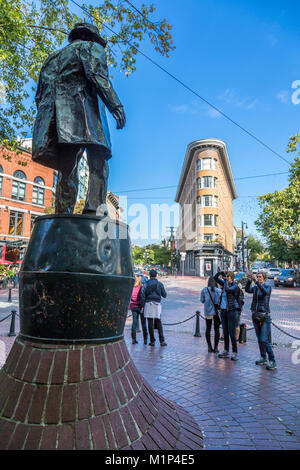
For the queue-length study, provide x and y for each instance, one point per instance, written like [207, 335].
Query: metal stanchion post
[12, 331]
[9, 295]
[197, 331]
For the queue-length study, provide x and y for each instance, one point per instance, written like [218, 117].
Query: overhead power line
[190, 89]
[175, 186]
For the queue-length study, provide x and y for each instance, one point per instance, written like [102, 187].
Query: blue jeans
[263, 331]
[135, 314]
[229, 320]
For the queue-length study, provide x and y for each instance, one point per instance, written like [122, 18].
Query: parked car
[272, 272]
[287, 277]
[241, 278]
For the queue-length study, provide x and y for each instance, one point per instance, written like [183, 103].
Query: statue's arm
[94, 63]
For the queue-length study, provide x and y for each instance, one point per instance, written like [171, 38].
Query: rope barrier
[179, 323]
[288, 334]
[5, 318]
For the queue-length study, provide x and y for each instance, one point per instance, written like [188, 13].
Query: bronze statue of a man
[72, 93]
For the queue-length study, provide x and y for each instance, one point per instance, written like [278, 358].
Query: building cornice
[224, 158]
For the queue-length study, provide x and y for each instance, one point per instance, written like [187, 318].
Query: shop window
[16, 220]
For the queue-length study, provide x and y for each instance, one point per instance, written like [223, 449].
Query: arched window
[38, 193]
[1, 180]
[18, 187]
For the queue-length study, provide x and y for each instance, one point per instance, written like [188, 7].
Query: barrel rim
[81, 216]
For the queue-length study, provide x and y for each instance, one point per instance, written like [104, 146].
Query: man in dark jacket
[72, 93]
[151, 295]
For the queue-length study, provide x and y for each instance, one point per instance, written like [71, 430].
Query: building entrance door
[208, 267]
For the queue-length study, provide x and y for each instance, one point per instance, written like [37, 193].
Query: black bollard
[9, 295]
[13, 323]
[197, 331]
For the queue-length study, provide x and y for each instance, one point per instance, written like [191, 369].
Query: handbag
[258, 316]
[216, 307]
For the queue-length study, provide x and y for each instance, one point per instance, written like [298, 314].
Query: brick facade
[11, 186]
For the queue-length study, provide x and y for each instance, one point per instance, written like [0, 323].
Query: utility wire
[175, 186]
[191, 90]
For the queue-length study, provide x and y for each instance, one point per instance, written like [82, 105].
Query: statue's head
[86, 32]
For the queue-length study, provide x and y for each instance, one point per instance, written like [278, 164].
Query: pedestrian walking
[229, 307]
[260, 308]
[210, 297]
[136, 310]
[151, 295]
[240, 309]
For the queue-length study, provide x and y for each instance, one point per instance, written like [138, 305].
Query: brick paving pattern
[50, 400]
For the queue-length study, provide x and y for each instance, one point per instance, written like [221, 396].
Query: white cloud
[283, 96]
[213, 113]
[230, 96]
[184, 109]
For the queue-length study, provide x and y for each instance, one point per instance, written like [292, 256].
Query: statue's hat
[86, 28]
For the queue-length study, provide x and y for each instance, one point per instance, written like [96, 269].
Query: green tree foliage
[256, 247]
[156, 255]
[279, 220]
[29, 32]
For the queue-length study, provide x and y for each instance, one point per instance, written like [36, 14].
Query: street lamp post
[243, 244]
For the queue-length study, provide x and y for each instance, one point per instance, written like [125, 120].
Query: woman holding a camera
[229, 311]
[260, 309]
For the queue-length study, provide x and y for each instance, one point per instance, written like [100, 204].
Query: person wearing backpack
[229, 307]
[260, 308]
[136, 310]
[210, 297]
[151, 295]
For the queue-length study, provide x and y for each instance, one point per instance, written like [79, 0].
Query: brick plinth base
[86, 397]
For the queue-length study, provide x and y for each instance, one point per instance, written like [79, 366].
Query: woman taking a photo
[260, 309]
[229, 312]
[210, 297]
[136, 310]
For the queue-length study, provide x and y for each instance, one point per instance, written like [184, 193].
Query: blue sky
[241, 56]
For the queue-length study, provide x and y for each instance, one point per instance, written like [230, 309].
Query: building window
[19, 188]
[208, 219]
[16, 223]
[216, 221]
[215, 201]
[199, 183]
[207, 182]
[38, 193]
[215, 183]
[1, 180]
[207, 163]
[207, 201]
[208, 237]
[199, 200]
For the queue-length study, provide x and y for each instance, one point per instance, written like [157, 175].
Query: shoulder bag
[258, 316]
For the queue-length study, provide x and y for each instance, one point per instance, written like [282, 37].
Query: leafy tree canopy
[30, 31]
[156, 254]
[279, 220]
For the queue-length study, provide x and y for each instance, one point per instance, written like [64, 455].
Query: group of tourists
[146, 304]
[224, 305]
